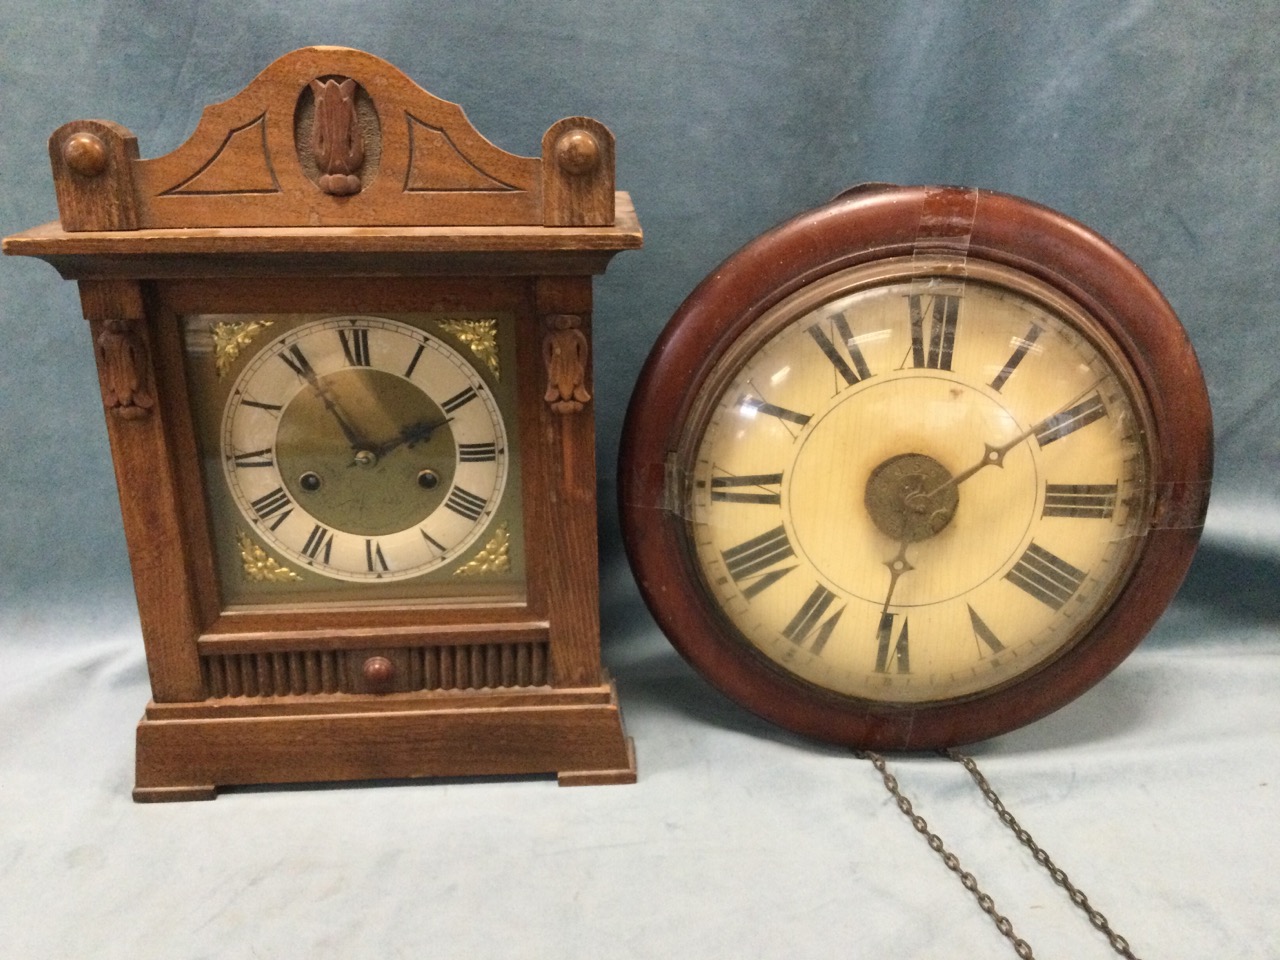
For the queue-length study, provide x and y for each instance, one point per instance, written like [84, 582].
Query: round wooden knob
[577, 152]
[85, 154]
[378, 671]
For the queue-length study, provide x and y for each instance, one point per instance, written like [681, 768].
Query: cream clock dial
[363, 449]
[921, 487]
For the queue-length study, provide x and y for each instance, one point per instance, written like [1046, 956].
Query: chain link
[967, 879]
[1118, 943]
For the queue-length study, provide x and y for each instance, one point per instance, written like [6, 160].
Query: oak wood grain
[155, 532]
[333, 183]
[183, 759]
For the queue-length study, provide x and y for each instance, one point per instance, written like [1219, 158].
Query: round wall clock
[916, 467]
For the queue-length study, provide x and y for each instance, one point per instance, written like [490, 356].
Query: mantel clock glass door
[915, 468]
[363, 457]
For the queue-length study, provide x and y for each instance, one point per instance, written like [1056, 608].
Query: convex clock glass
[920, 461]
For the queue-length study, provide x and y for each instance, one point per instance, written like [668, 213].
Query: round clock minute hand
[1075, 413]
[357, 442]
[303, 369]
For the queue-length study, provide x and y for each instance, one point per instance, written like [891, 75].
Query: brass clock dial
[364, 449]
[354, 457]
[902, 472]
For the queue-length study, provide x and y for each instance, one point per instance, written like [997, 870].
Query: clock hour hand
[898, 565]
[411, 435]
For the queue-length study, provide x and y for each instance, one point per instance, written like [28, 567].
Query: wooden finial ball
[85, 154]
[378, 671]
[578, 152]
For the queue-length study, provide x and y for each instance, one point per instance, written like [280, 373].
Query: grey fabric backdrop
[1154, 122]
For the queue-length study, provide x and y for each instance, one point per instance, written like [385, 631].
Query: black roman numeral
[269, 407]
[1022, 345]
[274, 504]
[254, 458]
[944, 311]
[433, 541]
[808, 620]
[1069, 421]
[477, 452]
[373, 556]
[851, 374]
[889, 653]
[1094, 501]
[722, 489]
[755, 556]
[413, 364]
[355, 346]
[319, 544]
[297, 361]
[459, 400]
[465, 503]
[782, 413]
[984, 633]
[1047, 577]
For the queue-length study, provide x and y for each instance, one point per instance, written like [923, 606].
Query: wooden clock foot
[173, 794]
[593, 778]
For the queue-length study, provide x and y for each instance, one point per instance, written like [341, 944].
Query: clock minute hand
[304, 370]
[993, 456]
[357, 442]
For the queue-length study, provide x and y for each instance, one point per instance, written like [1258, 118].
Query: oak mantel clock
[916, 467]
[344, 349]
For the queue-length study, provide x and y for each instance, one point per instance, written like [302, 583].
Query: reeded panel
[476, 666]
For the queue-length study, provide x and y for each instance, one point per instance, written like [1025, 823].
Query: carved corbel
[565, 351]
[123, 367]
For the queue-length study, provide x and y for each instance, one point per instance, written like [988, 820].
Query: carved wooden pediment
[328, 136]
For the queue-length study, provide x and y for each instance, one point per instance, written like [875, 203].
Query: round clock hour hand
[411, 435]
[898, 565]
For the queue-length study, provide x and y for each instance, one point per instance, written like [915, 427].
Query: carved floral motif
[494, 558]
[230, 338]
[261, 566]
[480, 336]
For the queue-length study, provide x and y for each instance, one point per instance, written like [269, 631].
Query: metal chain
[1118, 943]
[967, 879]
